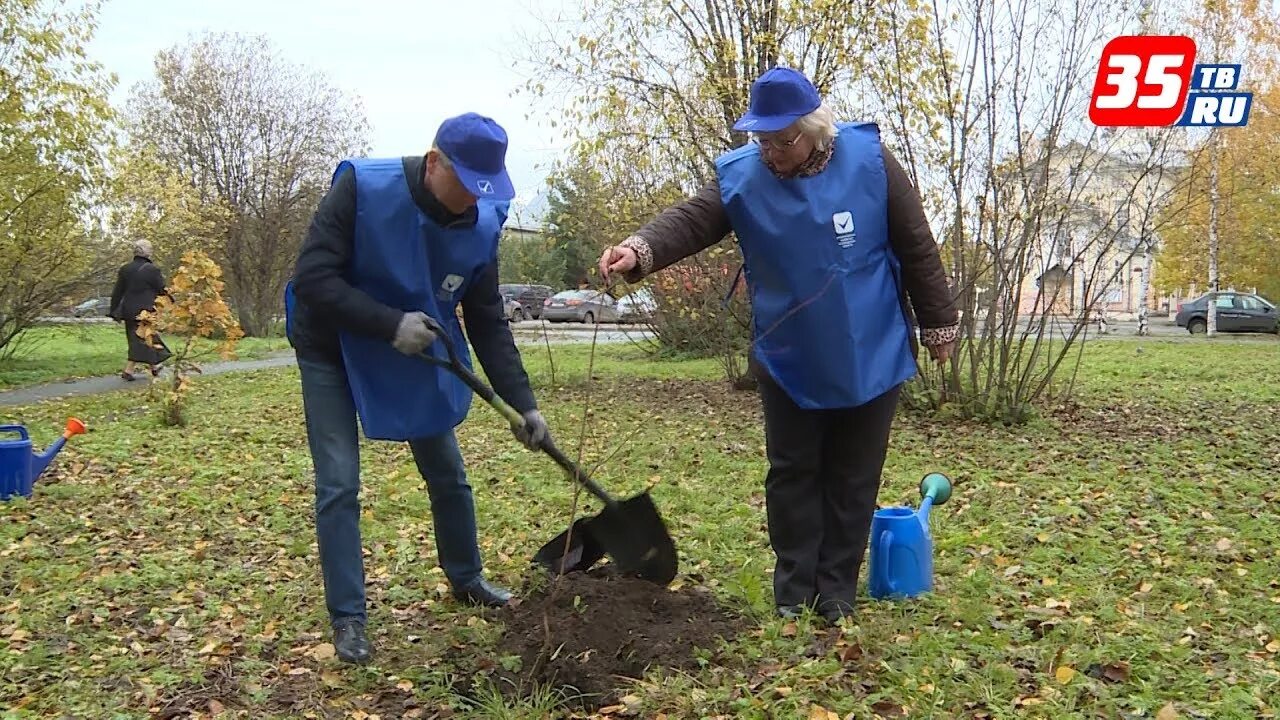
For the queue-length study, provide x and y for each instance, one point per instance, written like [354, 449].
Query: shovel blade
[636, 538]
[582, 551]
[632, 534]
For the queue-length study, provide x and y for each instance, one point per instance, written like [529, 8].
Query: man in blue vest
[395, 246]
[837, 251]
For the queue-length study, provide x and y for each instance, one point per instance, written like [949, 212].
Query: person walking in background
[138, 283]
[837, 253]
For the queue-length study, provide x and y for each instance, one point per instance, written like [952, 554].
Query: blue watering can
[20, 464]
[901, 549]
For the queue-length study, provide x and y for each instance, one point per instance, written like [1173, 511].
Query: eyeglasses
[772, 144]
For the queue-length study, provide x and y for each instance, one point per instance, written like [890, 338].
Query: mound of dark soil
[587, 632]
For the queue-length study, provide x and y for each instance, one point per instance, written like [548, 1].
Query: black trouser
[820, 492]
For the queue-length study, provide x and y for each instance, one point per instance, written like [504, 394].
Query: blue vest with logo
[405, 260]
[825, 290]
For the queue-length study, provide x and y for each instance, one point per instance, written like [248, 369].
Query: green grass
[61, 352]
[1109, 562]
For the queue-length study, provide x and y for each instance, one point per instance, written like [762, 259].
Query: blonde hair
[819, 126]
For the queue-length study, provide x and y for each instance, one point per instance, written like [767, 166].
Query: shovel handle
[473, 381]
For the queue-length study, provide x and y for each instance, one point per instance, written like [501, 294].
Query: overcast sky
[392, 53]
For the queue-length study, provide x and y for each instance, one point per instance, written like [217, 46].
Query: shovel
[631, 532]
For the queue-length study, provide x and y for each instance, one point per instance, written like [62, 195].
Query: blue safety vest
[405, 260]
[829, 324]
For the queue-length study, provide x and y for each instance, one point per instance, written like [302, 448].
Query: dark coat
[138, 283]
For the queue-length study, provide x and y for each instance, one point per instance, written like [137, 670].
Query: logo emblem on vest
[449, 287]
[485, 186]
[843, 223]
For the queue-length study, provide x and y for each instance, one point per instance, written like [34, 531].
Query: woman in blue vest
[394, 242]
[837, 252]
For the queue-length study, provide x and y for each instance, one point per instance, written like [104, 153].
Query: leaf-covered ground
[1119, 559]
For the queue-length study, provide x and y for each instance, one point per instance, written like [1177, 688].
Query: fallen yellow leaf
[1273, 646]
[817, 712]
[1167, 713]
[322, 652]
[789, 630]
[1064, 674]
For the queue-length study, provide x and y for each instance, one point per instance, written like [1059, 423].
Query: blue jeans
[334, 439]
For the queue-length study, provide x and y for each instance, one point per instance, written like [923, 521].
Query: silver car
[584, 306]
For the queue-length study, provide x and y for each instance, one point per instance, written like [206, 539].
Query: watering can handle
[22, 431]
[886, 539]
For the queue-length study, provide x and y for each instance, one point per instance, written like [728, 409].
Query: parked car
[1237, 312]
[639, 306]
[584, 306]
[530, 297]
[514, 312]
[93, 307]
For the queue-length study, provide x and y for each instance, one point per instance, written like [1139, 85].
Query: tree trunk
[1213, 234]
[1144, 288]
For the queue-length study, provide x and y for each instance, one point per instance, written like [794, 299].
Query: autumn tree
[256, 135]
[1228, 234]
[156, 201]
[54, 120]
[1042, 215]
[193, 309]
[653, 88]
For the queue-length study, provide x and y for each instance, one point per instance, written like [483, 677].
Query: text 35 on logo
[1153, 81]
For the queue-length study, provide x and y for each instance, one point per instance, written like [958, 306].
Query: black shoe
[350, 642]
[791, 612]
[833, 611]
[481, 592]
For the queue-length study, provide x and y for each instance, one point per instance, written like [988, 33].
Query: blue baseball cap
[779, 97]
[477, 148]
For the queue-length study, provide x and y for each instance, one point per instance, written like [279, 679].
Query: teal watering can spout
[934, 488]
[901, 549]
[20, 465]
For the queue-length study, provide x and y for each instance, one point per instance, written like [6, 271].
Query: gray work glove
[414, 333]
[534, 430]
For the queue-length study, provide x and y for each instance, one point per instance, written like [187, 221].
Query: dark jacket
[326, 302]
[138, 283]
[701, 221]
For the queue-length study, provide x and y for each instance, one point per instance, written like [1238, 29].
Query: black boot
[350, 642]
[833, 611]
[481, 592]
[791, 612]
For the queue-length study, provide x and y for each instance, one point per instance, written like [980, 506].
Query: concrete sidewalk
[524, 335]
[110, 383]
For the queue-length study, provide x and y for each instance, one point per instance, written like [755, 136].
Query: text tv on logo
[1154, 81]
